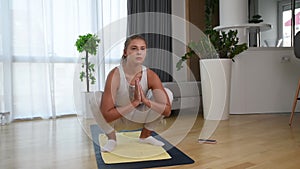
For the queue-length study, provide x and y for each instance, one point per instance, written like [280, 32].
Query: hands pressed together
[139, 96]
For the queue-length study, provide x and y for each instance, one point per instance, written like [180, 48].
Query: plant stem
[87, 71]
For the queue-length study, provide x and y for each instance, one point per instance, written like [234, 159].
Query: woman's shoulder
[115, 71]
[150, 72]
[152, 75]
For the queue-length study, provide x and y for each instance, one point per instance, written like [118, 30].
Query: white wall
[179, 32]
[262, 82]
[268, 10]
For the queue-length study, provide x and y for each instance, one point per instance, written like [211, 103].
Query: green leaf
[179, 64]
[218, 43]
[82, 75]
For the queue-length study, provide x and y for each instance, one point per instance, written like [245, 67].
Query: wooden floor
[244, 141]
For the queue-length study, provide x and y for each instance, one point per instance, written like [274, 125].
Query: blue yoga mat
[178, 157]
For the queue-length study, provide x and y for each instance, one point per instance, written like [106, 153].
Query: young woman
[126, 101]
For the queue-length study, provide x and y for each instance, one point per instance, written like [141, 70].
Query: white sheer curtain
[114, 32]
[38, 56]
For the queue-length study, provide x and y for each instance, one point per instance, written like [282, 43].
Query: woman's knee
[170, 94]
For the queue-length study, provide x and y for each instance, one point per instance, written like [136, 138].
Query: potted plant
[87, 44]
[216, 50]
[256, 19]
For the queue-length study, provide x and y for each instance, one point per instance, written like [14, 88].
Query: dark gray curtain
[152, 20]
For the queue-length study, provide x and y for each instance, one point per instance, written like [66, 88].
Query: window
[278, 13]
[37, 53]
[285, 21]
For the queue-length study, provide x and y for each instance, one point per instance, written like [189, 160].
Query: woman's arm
[107, 106]
[161, 102]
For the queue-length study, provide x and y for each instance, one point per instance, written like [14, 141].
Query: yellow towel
[130, 150]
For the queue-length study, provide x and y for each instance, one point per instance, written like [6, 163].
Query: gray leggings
[137, 119]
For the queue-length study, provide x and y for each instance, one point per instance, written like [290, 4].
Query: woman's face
[136, 51]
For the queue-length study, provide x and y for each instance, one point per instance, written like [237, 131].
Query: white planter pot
[215, 84]
[86, 107]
